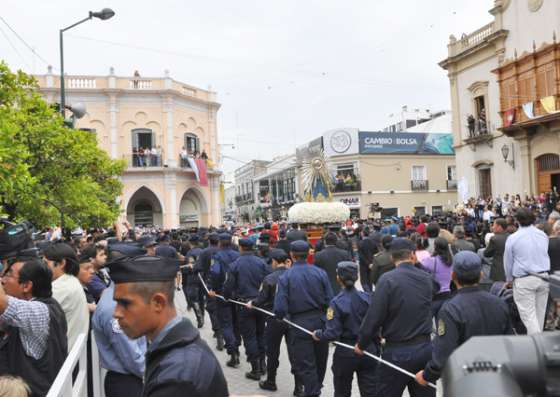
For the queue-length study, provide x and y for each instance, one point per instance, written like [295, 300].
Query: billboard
[405, 143]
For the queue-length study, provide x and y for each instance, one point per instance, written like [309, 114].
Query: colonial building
[505, 86]
[162, 128]
[278, 188]
[246, 193]
[406, 173]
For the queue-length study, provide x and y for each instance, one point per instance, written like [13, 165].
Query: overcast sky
[285, 70]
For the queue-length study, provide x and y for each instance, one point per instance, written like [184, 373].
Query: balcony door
[485, 182]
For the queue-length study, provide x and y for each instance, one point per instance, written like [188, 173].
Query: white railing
[138, 84]
[470, 40]
[63, 385]
[82, 82]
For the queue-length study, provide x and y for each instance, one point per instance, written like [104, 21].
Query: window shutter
[134, 139]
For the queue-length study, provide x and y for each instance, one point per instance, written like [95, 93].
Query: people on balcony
[346, 182]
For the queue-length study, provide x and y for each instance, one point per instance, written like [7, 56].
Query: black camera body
[506, 366]
[15, 238]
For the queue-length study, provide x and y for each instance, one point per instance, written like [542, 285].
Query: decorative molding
[478, 86]
[535, 5]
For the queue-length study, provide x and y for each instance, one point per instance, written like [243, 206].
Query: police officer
[401, 311]
[202, 267]
[227, 312]
[275, 330]
[471, 312]
[304, 293]
[344, 317]
[245, 277]
[191, 283]
[178, 361]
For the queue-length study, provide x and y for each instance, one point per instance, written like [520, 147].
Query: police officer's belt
[414, 341]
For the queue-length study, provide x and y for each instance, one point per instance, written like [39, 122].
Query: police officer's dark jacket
[204, 260]
[38, 374]
[401, 307]
[182, 364]
[471, 312]
[265, 299]
[245, 276]
[220, 267]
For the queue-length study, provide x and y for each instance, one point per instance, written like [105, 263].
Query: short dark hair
[465, 279]
[331, 239]
[524, 216]
[59, 251]
[501, 222]
[37, 271]
[400, 255]
[386, 241]
[147, 289]
[300, 256]
[432, 230]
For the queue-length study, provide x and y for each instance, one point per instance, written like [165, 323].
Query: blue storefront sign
[405, 143]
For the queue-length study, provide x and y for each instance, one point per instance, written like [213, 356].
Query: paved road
[237, 382]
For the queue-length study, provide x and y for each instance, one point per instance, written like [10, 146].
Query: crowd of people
[408, 289]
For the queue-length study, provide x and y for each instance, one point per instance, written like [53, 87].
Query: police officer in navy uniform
[202, 267]
[178, 361]
[245, 276]
[304, 293]
[401, 311]
[191, 283]
[275, 330]
[344, 318]
[471, 312]
[227, 312]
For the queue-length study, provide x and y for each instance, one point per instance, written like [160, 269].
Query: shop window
[437, 210]
[419, 211]
[347, 178]
[389, 212]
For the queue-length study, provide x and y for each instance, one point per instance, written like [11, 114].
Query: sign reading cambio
[352, 202]
[405, 142]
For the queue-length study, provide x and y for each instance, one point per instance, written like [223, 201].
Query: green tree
[47, 170]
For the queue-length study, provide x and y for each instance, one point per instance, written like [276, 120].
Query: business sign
[352, 202]
[309, 150]
[405, 143]
[341, 142]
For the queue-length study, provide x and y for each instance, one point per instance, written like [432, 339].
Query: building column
[215, 209]
[172, 154]
[171, 218]
[525, 163]
[113, 125]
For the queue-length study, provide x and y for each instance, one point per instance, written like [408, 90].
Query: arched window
[192, 143]
[548, 162]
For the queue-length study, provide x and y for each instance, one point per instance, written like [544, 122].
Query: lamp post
[505, 154]
[104, 14]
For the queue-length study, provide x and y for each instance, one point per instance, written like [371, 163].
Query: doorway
[555, 182]
[485, 182]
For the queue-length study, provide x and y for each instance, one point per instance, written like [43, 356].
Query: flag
[549, 104]
[509, 117]
[194, 167]
[528, 108]
[202, 176]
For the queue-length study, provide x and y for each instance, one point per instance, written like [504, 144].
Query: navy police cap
[143, 268]
[347, 270]
[299, 246]
[467, 262]
[246, 243]
[401, 243]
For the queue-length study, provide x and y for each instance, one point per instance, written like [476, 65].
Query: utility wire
[13, 47]
[24, 42]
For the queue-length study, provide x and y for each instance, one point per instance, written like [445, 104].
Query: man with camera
[33, 342]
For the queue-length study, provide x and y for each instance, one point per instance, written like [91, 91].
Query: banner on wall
[405, 143]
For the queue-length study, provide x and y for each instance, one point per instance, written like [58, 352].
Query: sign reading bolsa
[405, 142]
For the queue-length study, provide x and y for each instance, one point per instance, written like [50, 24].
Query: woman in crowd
[439, 265]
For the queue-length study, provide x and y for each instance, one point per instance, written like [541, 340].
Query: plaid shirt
[32, 319]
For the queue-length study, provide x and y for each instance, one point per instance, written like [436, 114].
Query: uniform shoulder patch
[330, 313]
[441, 327]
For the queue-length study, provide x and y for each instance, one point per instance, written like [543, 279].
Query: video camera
[16, 239]
[512, 366]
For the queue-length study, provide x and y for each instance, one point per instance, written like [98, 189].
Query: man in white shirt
[67, 290]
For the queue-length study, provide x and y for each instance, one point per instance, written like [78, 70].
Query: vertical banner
[194, 167]
[202, 176]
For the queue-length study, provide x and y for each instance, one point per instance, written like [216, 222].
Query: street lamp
[104, 14]
[505, 155]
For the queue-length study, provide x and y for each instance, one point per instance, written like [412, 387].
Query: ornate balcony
[419, 185]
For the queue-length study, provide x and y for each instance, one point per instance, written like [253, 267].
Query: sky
[285, 71]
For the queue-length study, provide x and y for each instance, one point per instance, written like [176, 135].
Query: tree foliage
[47, 169]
